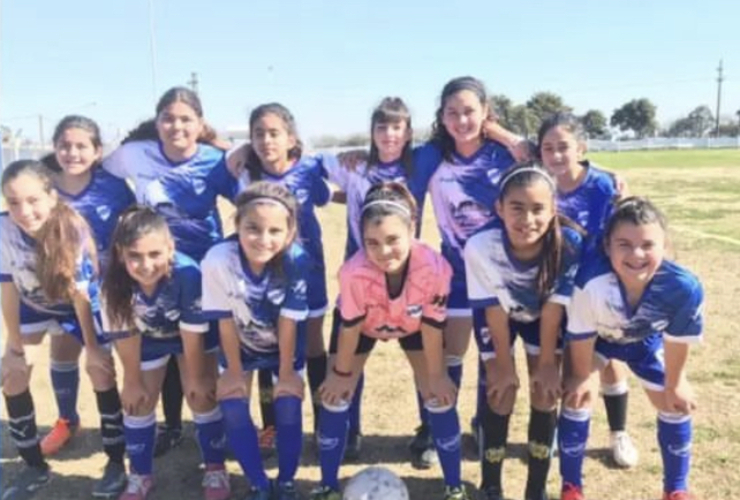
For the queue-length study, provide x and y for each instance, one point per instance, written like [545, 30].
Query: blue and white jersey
[670, 306]
[306, 180]
[100, 203]
[184, 192]
[496, 277]
[18, 265]
[174, 306]
[590, 204]
[232, 290]
[463, 193]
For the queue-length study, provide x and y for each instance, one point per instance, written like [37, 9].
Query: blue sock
[289, 436]
[139, 433]
[242, 438]
[355, 408]
[674, 437]
[423, 413]
[333, 426]
[209, 428]
[446, 434]
[573, 429]
[455, 369]
[65, 379]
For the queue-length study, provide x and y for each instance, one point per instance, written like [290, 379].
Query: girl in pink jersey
[395, 288]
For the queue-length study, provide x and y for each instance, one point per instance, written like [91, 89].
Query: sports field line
[702, 234]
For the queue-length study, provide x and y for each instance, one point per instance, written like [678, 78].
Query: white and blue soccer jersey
[184, 192]
[464, 191]
[232, 290]
[590, 204]
[100, 203]
[670, 306]
[159, 318]
[19, 267]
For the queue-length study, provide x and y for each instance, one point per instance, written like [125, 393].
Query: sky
[331, 61]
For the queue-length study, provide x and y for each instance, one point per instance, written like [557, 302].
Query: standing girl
[396, 288]
[99, 198]
[520, 275]
[49, 284]
[586, 195]
[255, 284]
[152, 308]
[176, 170]
[637, 307]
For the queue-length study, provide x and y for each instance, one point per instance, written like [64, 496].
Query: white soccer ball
[375, 483]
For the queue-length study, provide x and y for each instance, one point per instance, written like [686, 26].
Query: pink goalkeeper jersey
[364, 294]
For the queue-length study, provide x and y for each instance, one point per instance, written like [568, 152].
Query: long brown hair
[118, 286]
[392, 110]
[254, 164]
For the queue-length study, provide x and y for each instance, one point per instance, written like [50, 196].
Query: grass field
[699, 190]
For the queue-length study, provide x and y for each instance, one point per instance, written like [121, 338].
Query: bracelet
[14, 352]
[340, 373]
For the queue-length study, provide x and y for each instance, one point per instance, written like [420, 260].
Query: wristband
[19, 353]
[340, 373]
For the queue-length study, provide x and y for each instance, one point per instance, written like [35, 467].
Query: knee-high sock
[616, 397]
[573, 427]
[209, 429]
[540, 434]
[446, 433]
[355, 408]
[289, 436]
[242, 438]
[267, 407]
[140, 433]
[316, 368]
[172, 395]
[65, 379]
[481, 398]
[111, 424]
[333, 426]
[22, 426]
[495, 436]
[674, 437]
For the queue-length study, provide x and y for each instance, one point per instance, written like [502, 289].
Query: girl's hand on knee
[336, 390]
[502, 383]
[577, 392]
[200, 391]
[15, 370]
[442, 390]
[134, 397]
[680, 399]
[546, 382]
[289, 385]
[230, 385]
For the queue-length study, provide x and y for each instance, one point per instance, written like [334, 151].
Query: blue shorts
[458, 305]
[529, 333]
[318, 297]
[252, 361]
[644, 357]
[155, 353]
[34, 321]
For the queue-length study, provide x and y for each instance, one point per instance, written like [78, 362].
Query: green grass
[692, 158]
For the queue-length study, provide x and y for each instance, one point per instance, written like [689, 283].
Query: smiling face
[30, 202]
[636, 252]
[271, 140]
[527, 212]
[264, 231]
[387, 242]
[178, 127]
[76, 152]
[561, 151]
[390, 138]
[463, 115]
[148, 259]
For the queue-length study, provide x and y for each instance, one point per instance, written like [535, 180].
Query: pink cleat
[216, 483]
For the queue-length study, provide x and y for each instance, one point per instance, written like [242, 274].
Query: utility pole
[193, 82]
[42, 139]
[720, 77]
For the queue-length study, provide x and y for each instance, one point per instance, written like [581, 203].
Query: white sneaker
[623, 449]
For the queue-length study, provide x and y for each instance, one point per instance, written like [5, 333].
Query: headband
[269, 200]
[522, 170]
[388, 203]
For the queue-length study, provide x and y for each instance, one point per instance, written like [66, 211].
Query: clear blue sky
[331, 61]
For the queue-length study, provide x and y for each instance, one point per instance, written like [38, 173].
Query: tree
[679, 128]
[595, 124]
[523, 121]
[544, 104]
[638, 115]
[701, 121]
[502, 107]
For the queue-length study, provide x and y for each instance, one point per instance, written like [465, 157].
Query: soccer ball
[375, 483]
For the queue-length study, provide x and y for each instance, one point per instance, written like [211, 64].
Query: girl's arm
[517, 145]
[578, 372]
[193, 352]
[337, 388]
[442, 389]
[501, 378]
[289, 381]
[349, 338]
[95, 356]
[678, 395]
[230, 345]
[547, 375]
[11, 304]
[133, 393]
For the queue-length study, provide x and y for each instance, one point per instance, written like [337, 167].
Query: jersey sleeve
[351, 305]
[480, 274]
[320, 191]
[215, 299]
[222, 181]
[434, 311]
[295, 306]
[581, 317]
[566, 279]
[688, 322]
[117, 162]
[192, 318]
[335, 171]
[6, 271]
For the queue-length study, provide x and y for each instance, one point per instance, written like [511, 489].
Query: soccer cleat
[258, 494]
[623, 449]
[325, 493]
[354, 447]
[678, 495]
[491, 493]
[166, 439]
[571, 492]
[423, 454]
[58, 437]
[138, 487]
[112, 483]
[455, 493]
[285, 491]
[216, 484]
[267, 439]
[27, 483]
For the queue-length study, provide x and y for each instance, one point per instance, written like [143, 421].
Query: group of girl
[541, 250]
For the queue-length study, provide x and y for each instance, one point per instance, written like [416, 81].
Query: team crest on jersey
[199, 186]
[104, 212]
[494, 176]
[300, 287]
[414, 310]
[485, 335]
[302, 195]
[172, 314]
[439, 300]
[659, 325]
[276, 295]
